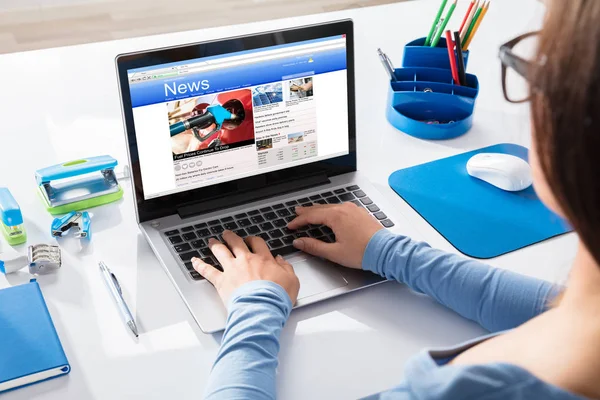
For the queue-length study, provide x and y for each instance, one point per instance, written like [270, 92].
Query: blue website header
[232, 53]
[236, 77]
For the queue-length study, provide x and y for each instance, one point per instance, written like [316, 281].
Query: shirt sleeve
[496, 299]
[247, 360]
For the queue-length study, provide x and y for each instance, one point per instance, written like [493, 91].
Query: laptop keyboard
[269, 223]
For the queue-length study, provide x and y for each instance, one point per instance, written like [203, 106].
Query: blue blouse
[497, 299]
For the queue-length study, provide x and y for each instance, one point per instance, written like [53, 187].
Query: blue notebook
[30, 350]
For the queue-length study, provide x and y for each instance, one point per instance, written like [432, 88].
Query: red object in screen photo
[230, 134]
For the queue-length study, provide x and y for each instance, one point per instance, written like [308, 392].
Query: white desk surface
[63, 104]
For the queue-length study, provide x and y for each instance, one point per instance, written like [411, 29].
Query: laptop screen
[215, 119]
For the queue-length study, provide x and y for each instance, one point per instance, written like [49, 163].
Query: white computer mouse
[504, 171]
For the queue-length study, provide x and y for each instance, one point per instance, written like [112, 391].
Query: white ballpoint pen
[117, 294]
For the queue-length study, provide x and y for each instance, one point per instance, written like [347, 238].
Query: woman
[545, 342]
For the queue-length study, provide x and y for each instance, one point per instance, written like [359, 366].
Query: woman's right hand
[353, 227]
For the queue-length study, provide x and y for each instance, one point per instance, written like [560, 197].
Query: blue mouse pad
[480, 220]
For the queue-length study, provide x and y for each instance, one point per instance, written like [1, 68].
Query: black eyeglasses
[510, 59]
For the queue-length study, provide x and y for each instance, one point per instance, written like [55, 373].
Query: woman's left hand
[240, 266]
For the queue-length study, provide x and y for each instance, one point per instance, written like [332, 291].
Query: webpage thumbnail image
[211, 123]
[267, 94]
[301, 88]
[295, 137]
[264, 144]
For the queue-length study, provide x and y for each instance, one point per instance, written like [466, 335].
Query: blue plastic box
[424, 101]
[417, 55]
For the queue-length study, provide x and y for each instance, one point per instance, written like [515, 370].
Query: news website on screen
[214, 119]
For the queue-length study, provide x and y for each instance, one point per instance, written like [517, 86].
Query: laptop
[206, 155]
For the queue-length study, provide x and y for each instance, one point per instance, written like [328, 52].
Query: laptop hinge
[247, 196]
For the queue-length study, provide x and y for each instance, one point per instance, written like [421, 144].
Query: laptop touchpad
[317, 276]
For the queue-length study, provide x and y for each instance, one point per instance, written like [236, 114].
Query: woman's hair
[565, 107]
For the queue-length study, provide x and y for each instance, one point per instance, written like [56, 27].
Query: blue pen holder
[424, 101]
[418, 55]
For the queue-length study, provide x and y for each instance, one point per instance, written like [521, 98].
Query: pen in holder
[424, 100]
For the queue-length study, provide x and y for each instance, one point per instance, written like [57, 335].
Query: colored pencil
[440, 22]
[440, 31]
[453, 68]
[467, 15]
[435, 22]
[475, 18]
[463, 31]
[468, 43]
[462, 76]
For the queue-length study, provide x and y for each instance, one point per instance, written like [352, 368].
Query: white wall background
[6, 5]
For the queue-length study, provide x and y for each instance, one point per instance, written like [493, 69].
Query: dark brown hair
[565, 106]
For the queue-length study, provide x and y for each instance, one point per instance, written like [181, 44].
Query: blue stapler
[11, 219]
[79, 184]
[78, 222]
